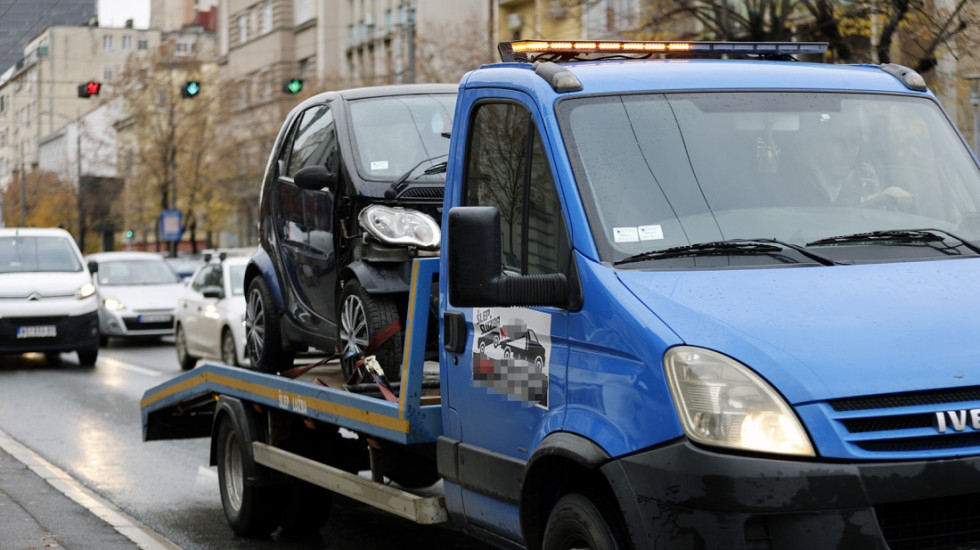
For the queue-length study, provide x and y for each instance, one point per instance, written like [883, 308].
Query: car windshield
[136, 272]
[660, 171]
[392, 135]
[32, 254]
[237, 274]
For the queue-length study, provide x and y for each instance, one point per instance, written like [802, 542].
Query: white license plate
[37, 331]
[159, 318]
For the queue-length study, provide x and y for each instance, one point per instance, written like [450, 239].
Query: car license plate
[37, 331]
[159, 318]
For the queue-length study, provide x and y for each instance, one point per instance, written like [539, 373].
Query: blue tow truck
[752, 285]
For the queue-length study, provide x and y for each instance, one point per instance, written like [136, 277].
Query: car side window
[315, 141]
[205, 278]
[507, 167]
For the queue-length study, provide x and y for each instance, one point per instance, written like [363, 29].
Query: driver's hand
[896, 195]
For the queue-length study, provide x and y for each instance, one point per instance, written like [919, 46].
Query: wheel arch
[564, 462]
[379, 278]
[261, 266]
[239, 414]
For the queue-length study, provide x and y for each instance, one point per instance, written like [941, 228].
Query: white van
[47, 299]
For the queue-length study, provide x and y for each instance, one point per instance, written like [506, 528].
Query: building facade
[20, 21]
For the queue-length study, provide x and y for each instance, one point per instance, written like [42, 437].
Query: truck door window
[315, 142]
[507, 167]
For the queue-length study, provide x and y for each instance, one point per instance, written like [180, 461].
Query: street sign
[170, 225]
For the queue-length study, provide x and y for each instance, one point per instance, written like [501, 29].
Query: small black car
[352, 192]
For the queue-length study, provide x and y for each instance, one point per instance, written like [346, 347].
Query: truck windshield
[394, 134]
[659, 171]
[37, 254]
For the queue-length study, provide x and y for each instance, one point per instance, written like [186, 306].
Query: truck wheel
[363, 315]
[576, 522]
[229, 355]
[251, 510]
[87, 357]
[186, 360]
[262, 330]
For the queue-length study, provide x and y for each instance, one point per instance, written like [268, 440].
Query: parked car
[137, 294]
[185, 266]
[210, 320]
[351, 195]
[47, 299]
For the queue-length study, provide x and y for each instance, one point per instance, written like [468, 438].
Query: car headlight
[113, 304]
[723, 403]
[88, 289]
[400, 226]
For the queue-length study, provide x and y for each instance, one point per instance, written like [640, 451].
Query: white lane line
[110, 362]
[129, 527]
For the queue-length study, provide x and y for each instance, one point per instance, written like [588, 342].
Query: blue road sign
[170, 225]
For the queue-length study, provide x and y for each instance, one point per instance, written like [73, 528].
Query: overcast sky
[114, 13]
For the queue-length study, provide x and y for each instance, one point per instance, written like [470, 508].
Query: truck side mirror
[475, 277]
[315, 178]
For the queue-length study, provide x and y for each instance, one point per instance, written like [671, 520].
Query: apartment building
[20, 21]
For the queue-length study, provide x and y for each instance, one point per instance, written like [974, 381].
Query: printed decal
[511, 353]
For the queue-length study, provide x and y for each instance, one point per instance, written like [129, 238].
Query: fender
[261, 264]
[587, 454]
[380, 278]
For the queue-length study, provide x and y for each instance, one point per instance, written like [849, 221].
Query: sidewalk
[42, 507]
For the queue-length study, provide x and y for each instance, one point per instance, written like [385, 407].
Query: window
[267, 16]
[184, 47]
[315, 143]
[507, 167]
[209, 276]
[107, 42]
[301, 11]
[142, 44]
[106, 74]
[243, 27]
[127, 43]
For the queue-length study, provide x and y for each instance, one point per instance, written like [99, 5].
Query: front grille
[951, 523]
[134, 324]
[908, 425]
[22, 321]
[422, 192]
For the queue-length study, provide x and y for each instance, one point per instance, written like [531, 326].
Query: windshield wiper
[401, 183]
[729, 247]
[901, 236]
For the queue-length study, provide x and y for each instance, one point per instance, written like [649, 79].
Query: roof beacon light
[544, 50]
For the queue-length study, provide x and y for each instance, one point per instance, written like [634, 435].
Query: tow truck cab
[753, 283]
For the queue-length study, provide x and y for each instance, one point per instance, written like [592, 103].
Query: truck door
[506, 388]
[308, 249]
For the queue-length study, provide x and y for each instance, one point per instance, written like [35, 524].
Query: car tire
[87, 357]
[186, 360]
[262, 331]
[362, 315]
[251, 508]
[229, 352]
[577, 522]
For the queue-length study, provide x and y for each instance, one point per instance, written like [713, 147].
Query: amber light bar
[525, 50]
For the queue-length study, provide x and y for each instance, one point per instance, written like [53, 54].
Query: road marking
[110, 362]
[129, 527]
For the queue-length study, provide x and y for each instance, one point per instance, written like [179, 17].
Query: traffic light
[190, 89]
[89, 89]
[292, 86]
[129, 234]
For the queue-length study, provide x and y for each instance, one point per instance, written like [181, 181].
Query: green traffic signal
[129, 234]
[292, 86]
[190, 89]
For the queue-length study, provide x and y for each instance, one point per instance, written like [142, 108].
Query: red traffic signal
[89, 89]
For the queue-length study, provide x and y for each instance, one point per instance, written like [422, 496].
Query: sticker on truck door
[511, 353]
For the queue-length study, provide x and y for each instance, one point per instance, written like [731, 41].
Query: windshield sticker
[626, 234]
[379, 165]
[511, 353]
[651, 232]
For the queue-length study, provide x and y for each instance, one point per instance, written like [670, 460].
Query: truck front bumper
[682, 496]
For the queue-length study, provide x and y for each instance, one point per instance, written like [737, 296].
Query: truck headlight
[723, 403]
[112, 304]
[400, 226]
[85, 291]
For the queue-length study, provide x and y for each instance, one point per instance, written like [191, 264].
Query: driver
[844, 176]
